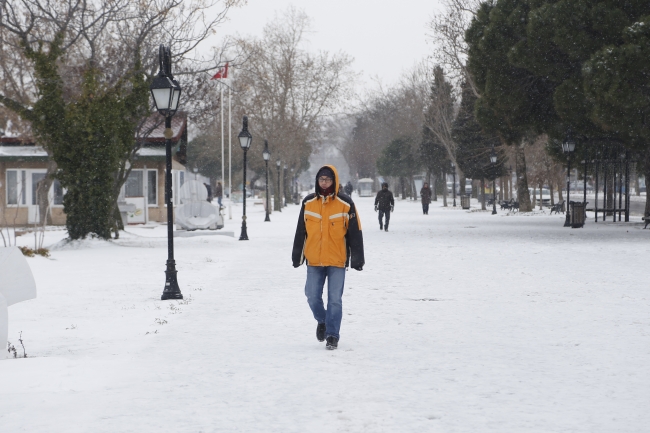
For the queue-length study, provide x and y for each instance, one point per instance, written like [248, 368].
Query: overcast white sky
[384, 38]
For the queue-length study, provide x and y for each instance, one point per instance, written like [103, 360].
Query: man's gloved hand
[358, 268]
[375, 208]
[296, 265]
[392, 208]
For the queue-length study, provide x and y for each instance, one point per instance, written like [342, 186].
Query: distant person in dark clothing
[384, 203]
[425, 195]
[348, 188]
[209, 189]
[219, 193]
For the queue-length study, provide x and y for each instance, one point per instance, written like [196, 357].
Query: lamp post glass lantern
[245, 139]
[568, 146]
[166, 93]
[266, 154]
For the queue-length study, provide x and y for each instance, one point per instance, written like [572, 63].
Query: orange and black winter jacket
[329, 231]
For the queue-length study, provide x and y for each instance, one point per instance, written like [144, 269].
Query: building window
[36, 178]
[12, 187]
[152, 187]
[134, 185]
[57, 193]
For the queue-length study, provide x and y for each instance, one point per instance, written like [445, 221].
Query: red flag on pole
[221, 73]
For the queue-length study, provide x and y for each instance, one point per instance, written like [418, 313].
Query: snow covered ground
[460, 322]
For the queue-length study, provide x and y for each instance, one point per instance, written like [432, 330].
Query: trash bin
[577, 214]
[464, 201]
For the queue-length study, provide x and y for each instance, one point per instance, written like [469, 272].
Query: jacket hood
[336, 179]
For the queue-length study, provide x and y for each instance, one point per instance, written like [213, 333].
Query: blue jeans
[314, 292]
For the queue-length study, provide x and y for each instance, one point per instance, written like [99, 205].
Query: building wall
[18, 215]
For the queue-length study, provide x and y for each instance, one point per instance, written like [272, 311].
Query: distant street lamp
[453, 190]
[568, 146]
[493, 161]
[245, 139]
[196, 172]
[279, 163]
[166, 93]
[267, 155]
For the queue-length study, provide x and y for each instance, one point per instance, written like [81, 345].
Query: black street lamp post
[453, 173]
[568, 146]
[279, 163]
[166, 94]
[245, 139]
[267, 155]
[493, 161]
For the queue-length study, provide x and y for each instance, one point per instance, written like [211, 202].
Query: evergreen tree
[513, 100]
[87, 135]
[398, 160]
[473, 146]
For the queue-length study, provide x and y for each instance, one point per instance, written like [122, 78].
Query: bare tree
[447, 33]
[287, 91]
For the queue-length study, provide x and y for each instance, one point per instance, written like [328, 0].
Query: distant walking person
[218, 193]
[348, 188]
[425, 195]
[209, 189]
[329, 237]
[384, 203]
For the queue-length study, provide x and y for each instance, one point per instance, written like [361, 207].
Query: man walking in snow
[329, 238]
[425, 195]
[385, 203]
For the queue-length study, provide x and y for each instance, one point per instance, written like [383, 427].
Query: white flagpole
[223, 183]
[230, 151]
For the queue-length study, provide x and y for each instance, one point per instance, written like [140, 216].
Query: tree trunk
[434, 187]
[475, 189]
[42, 193]
[444, 189]
[483, 194]
[550, 186]
[636, 185]
[510, 187]
[540, 197]
[277, 198]
[523, 196]
[610, 193]
[647, 181]
[501, 184]
[402, 187]
[461, 181]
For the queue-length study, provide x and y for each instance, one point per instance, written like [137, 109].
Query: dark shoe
[381, 227]
[386, 228]
[320, 332]
[332, 343]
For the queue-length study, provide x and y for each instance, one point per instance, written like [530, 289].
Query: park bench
[558, 207]
[510, 205]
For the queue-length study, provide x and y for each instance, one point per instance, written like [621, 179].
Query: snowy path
[459, 322]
